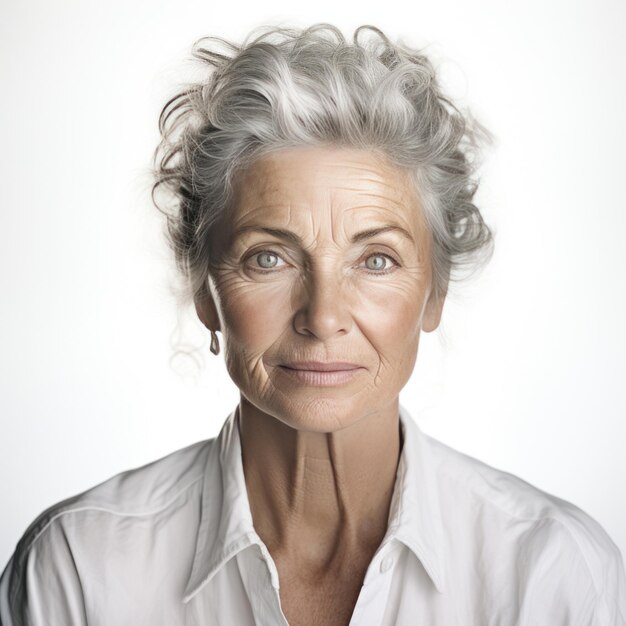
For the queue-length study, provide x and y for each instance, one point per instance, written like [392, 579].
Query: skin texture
[320, 461]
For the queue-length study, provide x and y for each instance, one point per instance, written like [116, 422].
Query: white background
[526, 371]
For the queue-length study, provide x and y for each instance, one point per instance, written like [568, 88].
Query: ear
[433, 311]
[207, 309]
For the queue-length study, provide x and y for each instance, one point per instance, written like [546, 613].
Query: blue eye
[266, 261]
[378, 267]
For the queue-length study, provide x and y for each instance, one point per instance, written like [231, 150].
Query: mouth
[318, 373]
[321, 366]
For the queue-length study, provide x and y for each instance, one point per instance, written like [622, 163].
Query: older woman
[321, 200]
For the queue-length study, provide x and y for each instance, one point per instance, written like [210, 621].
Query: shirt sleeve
[40, 585]
[570, 582]
[610, 607]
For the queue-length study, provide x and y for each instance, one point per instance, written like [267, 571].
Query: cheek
[394, 308]
[254, 315]
[389, 318]
[399, 322]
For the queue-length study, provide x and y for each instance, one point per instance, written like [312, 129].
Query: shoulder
[547, 538]
[143, 490]
[109, 517]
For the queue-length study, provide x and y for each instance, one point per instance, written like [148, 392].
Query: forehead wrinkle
[398, 199]
[257, 175]
[273, 176]
[381, 215]
[393, 206]
[381, 180]
[363, 189]
[375, 164]
[331, 220]
[399, 190]
[245, 216]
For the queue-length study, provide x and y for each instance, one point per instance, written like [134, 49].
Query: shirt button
[386, 563]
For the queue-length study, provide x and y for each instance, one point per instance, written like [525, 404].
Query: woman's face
[328, 260]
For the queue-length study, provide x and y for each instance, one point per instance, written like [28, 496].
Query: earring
[215, 344]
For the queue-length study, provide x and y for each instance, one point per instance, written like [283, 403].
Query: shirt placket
[260, 579]
[372, 601]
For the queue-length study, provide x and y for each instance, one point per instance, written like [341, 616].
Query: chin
[321, 414]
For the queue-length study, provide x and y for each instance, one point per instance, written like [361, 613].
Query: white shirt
[173, 543]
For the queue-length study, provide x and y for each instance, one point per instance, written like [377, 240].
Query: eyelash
[373, 272]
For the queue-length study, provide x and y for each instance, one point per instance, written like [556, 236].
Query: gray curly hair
[285, 87]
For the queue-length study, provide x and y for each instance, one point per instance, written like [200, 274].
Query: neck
[320, 497]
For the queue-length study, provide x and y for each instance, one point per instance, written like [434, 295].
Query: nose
[324, 311]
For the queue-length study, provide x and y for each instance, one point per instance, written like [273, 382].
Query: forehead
[317, 183]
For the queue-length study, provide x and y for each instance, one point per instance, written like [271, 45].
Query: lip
[329, 377]
[321, 366]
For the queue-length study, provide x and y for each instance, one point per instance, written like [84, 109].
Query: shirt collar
[225, 520]
[226, 525]
[415, 516]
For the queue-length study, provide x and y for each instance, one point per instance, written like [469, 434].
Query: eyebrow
[360, 236]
